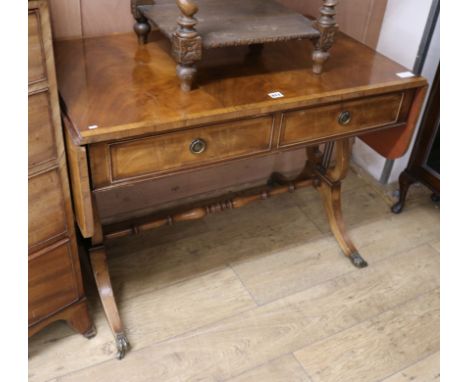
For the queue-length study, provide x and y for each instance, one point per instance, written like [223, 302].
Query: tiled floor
[264, 294]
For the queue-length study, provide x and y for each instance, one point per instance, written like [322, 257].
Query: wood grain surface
[239, 343]
[232, 86]
[36, 54]
[379, 346]
[79, 178]
[285, 368]
[426, 370]
[41, 137]
[315, 123]
[52, 281]
[134, 158]
[219, 322]
[47, 218]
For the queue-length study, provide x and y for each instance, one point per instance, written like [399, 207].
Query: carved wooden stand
[317, 173]
[188, 42]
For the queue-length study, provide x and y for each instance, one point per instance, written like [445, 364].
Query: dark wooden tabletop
[114, 88]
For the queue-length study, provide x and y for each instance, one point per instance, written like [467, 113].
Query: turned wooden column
[186, 44]
[326, 24]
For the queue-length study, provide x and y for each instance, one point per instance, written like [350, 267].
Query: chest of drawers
[55, 284]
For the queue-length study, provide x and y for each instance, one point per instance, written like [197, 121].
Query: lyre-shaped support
[186, 44]
[327, 27]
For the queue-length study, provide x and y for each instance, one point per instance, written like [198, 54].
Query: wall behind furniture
[400, 37]
[429, 71]
[361, 19]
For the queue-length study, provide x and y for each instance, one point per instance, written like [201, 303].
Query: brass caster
[357, 260]
[122, 345]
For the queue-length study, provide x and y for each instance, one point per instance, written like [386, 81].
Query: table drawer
[51, 281]
[46, 220]
[41, 141]
[189, 148]
[313, 124]
[36, 61]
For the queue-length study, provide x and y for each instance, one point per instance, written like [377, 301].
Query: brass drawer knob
[344, 118]
[197, 146]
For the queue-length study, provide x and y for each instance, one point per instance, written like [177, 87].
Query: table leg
[405, 181]
[141, 27]
[186, 44]
[326, 24]
[330, 190]
[98, 258]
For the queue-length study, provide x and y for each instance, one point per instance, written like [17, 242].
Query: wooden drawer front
[41, 141]
[47, 218]
[36, 62]
[51, 281]
[316, 123]
[160, 153]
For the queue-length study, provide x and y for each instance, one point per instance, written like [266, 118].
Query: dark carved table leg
[405, 180]
[330, 190]
[141, 27]
[327, 27]
[98, 258]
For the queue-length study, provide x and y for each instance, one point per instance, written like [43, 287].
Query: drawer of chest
[36, 57]
[41, 138]
[47, 219]
[51, 281]
[154, 155]
[340, 119]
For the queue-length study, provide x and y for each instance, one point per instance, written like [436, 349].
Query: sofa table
[126, 122]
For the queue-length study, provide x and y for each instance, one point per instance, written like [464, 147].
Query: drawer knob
[344, 118]
[197, 146]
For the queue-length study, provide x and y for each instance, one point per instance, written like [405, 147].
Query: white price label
[275, 95]
[405, 75]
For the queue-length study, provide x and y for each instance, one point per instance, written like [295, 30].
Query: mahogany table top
[113, 88]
